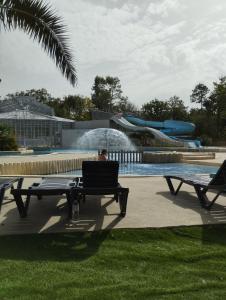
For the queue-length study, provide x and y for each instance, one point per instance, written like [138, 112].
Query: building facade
[33, 122]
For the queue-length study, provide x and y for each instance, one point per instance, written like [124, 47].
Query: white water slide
[154, 132]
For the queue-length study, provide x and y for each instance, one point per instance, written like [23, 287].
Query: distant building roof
[28, 115]
[25, 102]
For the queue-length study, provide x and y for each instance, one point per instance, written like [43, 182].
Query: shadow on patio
[217, 216]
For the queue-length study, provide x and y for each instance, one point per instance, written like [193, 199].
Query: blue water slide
[161, 136]
[169, 127]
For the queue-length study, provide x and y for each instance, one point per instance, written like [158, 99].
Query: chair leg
[75, 204]
[116, 197]
[20, 183]
[214, 200]
[75, 209]
[204, 200]
[2, 193]
[27, 202]
[123, 196]
[207, 202]
[69, 203]
[171, 187]
[200, 195]
[20, 205]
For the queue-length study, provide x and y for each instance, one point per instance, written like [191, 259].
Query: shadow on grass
[52, 247]
[79, 239]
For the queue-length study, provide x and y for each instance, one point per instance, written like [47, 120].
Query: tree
[77, 107]
[40, 22]
[177, 109]
[217, 100]
[125, 106]
[199, 94]
[211, 119]
[40, 95]
[7, 138]
[205, 126]
[106, 92]
[73, 107]
[155, 110]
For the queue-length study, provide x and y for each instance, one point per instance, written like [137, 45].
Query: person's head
[104, 152]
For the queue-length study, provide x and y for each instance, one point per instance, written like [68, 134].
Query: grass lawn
[175, 263]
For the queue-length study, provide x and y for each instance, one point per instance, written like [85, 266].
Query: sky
[157, 48]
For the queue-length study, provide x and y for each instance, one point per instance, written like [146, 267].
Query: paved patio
[149, 205]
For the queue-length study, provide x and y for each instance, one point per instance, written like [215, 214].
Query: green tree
[73, 107]
[177, 109]
[199, 94]
[7, 139]
[217, 100]
[40, 95]
[125, 106]
[39, 21]
[77, 107]
[156, 110]
[106, 93]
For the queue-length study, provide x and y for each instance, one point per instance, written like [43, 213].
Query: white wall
[70, 137]
[92, 124]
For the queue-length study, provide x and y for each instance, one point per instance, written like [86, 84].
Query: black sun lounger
[46, 187]
[202, 184]
[100, 178]
[6, 183]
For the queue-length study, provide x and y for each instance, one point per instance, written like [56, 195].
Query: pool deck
[219, 158]
[217, 161]
[44, 157]
[149, 205]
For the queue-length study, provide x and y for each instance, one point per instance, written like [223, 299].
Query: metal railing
[123, 156]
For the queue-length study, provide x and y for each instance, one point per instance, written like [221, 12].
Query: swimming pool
[160, 169]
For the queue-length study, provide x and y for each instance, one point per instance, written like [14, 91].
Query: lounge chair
[6, 183]
[202, 184]
[100, 178]
[46, 187]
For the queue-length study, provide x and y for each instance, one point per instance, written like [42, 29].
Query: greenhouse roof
[27, 115]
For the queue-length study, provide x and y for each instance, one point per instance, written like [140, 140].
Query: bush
[7, 139]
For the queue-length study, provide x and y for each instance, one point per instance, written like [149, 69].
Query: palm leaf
[41, 23]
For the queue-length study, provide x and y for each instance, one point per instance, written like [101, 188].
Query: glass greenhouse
[33, 122]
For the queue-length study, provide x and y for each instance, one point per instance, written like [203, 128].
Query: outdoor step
[198, 156]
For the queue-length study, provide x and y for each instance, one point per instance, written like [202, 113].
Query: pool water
[160, 169]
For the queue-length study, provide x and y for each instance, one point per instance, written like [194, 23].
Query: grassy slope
[176, 263]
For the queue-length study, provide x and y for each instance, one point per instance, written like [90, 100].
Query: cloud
[157, 48]
[163, 8]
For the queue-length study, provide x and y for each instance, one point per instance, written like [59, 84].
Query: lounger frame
[41, 189]
[200, 189]
[7, 183]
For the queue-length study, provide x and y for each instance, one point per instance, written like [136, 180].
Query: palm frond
[41, 23]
